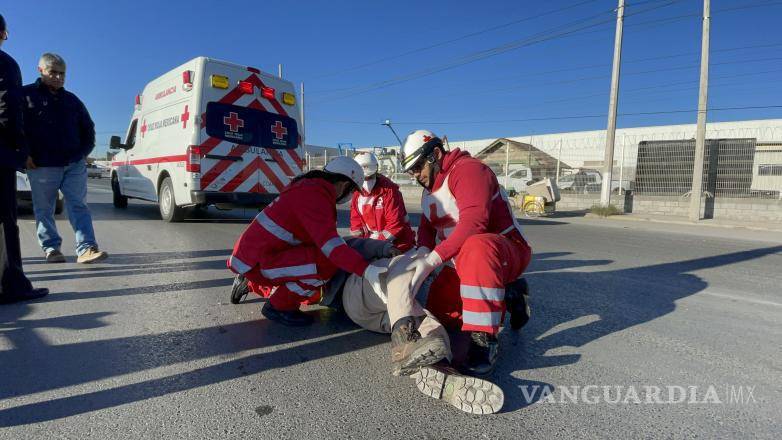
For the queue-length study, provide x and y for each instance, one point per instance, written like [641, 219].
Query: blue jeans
[72, 181]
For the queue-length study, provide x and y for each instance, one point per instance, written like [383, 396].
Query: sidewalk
[732, 224]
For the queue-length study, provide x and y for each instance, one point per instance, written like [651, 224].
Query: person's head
[422, 157]
[3, 30]
[348, 174]
[52, 69]
[368, 163]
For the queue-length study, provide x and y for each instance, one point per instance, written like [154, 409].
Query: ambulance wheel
[119, 200]
[169, 211]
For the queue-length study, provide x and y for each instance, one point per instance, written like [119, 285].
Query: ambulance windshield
[249, 126]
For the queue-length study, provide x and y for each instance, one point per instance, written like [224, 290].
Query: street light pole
[700, 136]
[387, 123]
[608, 168]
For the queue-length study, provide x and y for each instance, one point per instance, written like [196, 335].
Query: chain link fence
[652, 171]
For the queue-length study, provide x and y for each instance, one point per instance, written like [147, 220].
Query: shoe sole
[101, 257]
[428, 354]
[60, 259]
[469, 394]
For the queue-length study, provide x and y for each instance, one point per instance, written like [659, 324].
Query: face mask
[369, 184]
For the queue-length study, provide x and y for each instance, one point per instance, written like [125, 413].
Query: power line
[589, 78]
[443, 43]
[554, 118]
[518, 44]
[486, 53]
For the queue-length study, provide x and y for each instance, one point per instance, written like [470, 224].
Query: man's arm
[472, 184]
[11, 114]
[319, 220]
[356, 222]
[86, 129]
[394, 214]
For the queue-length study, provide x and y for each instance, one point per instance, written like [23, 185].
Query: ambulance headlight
[288, 98]
[219, 81]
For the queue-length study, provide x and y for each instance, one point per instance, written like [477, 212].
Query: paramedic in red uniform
[467, 227]
[293, 243]
[378, 211]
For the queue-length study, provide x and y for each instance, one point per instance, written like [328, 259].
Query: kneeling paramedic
[293, 243]
[378, 211]
[469, 231]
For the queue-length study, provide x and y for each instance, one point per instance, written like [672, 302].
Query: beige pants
[367, 309]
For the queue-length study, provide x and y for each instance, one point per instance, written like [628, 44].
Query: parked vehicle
[209, 132]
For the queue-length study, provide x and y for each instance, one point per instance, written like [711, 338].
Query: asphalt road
[147, 345]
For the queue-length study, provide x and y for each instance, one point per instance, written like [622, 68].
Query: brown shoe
[55, 256]
[92, 255]
[409, 351]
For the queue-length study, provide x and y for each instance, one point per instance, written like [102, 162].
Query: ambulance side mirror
[115, 144]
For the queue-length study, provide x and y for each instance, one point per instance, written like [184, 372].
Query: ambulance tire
[169, 211]
[119, 200]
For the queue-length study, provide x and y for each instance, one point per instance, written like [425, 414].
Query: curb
[626, 217]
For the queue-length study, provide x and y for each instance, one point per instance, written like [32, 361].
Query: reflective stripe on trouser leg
[482, 308]
[485, 264]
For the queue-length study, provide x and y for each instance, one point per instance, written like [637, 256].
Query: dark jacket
[58, 127]
[13, 147]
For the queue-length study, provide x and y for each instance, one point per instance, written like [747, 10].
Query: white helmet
[418, 144]
[368, 162]
[347, 167]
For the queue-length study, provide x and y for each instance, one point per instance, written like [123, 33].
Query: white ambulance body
[209, 132]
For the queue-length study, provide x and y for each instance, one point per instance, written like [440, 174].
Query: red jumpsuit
[467, 220]
[293, 244]
[381, 215]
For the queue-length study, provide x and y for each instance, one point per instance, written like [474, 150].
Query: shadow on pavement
[85, 362]
[570, 309]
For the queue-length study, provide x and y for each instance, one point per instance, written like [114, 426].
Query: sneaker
[469, 394]
[24, 296]
[517, 303]
[293, 318]
[55, 256]
[409, 351]
[91, 255]
[240, 289]
[482, 354]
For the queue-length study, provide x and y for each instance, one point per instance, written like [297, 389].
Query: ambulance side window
[131, 140]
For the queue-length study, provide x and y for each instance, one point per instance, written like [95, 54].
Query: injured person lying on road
[420, 344]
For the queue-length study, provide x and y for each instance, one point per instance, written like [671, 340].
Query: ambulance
[209, 132]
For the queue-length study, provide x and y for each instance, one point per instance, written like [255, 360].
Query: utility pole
[700, 136]
[608, 168]
[279, 70]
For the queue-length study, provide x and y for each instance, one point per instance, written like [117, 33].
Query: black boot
[293, 318]
[409, 351]
[240, 289]
[482, 354]
[517, 303]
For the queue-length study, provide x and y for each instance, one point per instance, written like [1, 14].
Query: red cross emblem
[427, 138]
[233, 122]
[143, 127]
[440, 223]
[278, 130]
[185, 117]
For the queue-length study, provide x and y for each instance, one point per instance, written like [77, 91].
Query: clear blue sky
[114, 47]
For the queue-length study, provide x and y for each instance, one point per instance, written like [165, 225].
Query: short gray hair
[50, 59]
